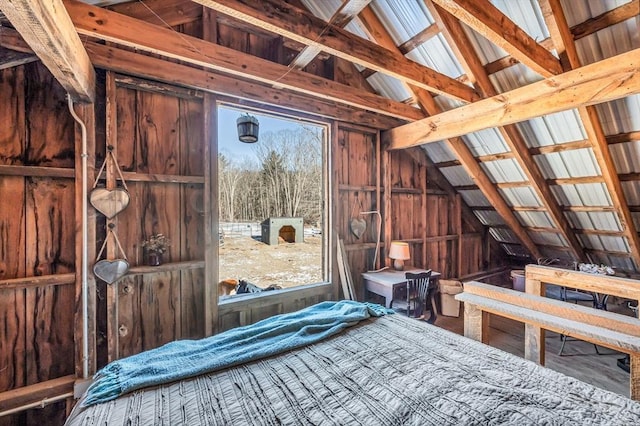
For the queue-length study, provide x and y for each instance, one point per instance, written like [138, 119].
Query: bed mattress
[384, 371]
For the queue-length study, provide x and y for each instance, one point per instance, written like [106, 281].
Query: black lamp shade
[248, 127]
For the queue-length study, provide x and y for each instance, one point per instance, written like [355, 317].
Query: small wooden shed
[290, 229]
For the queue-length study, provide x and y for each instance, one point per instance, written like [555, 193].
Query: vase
[154, 258]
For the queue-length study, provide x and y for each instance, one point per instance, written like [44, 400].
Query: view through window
[271, 204]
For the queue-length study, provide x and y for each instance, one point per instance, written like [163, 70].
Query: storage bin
[449, 306]
[517, 276]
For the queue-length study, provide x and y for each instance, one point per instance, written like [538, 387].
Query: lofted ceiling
[529, 108]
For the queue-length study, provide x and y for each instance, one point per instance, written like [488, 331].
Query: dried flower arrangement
[157, 243]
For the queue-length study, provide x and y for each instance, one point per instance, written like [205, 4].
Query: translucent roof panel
[436, 54]
[553, 129]
[604, 242]
[485, 142]
[323, 9]
[620, 116]
[584, 194]
[446, 103]
[489, 217]
[513, 77]
[626, 156]
[457, 175]
[548, 239]
[631, 190]
[610, 41]
[605, 221]
[526, 14]
[439, 152]
[474, 198]
[583, 10]
[514, 250]
[568, 164]
[521, 197]
[403, 19]
[501, 171]
[636, 219]
[503, 235]
[389, 87]
[487, 51]
[535, 219]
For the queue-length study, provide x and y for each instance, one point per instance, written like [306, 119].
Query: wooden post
[634, 377]
[386, 184]
[534, 347]
[476, 323]
[211, 269]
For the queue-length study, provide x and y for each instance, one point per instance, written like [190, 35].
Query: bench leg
[476, 323]
[634, 377]
[534, 344]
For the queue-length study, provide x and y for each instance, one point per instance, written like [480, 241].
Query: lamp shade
[399, 250]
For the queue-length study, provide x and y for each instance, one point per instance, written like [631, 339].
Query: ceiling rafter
[11, 58]
[299, 25]
[565, 45]
[488, 21]
[345, 13]
[46, 27]
[456, 144]
[161, 12]
[603, 81]
[454, 34]
[419, 39]
[114, 27]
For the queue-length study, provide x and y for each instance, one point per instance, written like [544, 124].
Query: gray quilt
[385, 371]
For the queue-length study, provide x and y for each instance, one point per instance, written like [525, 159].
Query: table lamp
[399, 252]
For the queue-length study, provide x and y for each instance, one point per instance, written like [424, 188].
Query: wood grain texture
[12, 113]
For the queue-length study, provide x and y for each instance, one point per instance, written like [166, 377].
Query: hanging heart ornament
[109, 202]
[110, 271]
[357, 226]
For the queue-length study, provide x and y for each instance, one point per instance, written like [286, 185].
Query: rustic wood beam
[419, 39]
[10, 58]
[25, 397]
[287, 21]
[569, 146]
[111, 26]
[603, 81]
[46, 27]
[161, 12]
[488, 21]
[457, 145]
[565, 45]
[345, 13]
[623, 137]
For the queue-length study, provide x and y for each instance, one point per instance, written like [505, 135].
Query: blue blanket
[187, 358]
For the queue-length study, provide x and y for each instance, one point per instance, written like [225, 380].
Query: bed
[389, 370]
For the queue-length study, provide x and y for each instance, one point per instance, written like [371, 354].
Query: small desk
[384, 282]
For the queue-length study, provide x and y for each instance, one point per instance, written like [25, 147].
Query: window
[272, 203]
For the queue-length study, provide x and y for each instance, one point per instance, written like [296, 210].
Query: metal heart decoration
[109, 202]
[110, 271]
[358, 227]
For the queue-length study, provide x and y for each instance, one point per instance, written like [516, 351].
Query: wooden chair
[419, 295]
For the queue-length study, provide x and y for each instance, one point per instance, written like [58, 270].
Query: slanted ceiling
[547, 156]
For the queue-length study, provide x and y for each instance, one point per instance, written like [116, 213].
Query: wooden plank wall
[37, 236]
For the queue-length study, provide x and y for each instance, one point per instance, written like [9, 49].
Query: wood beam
[161, 12]
[296, 24]
[611, 17]
[114, 27]
[488, 21]
[566, 47]
[46, 27]
[345, 13]
[124, 61]
[603, 81]
[419, 39]
[457, 145]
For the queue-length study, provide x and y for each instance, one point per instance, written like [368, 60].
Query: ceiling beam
[488, 21]
[127, 62]
[299, 25]
[466, 55]
[345, 13]
[110, 26]
[603, 81]
[565, 45]
[419, 39]
[456, 145]
[46, 27]
[161, 12]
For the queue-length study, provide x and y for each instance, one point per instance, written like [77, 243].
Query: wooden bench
[539, 313]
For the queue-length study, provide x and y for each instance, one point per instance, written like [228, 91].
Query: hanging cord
[85, 244]
[115, 163]
[112, 234]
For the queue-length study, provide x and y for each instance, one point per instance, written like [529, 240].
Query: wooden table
[384, 282]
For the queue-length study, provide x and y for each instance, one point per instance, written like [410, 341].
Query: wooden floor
[579, 358]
